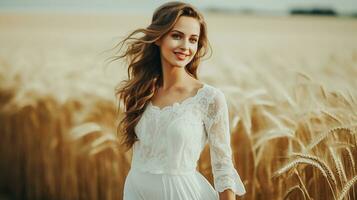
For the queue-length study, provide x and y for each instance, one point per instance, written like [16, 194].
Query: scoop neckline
[176, 104]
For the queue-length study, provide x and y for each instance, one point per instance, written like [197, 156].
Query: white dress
[171, 140]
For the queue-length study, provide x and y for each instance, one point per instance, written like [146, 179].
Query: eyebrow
[183, 33]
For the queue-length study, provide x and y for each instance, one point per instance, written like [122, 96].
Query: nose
[184, 44]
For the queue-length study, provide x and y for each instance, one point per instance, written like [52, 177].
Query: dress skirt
[148, 186]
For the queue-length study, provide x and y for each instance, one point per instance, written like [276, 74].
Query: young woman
[170, 115]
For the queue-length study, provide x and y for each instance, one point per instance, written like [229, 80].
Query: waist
[164, 171]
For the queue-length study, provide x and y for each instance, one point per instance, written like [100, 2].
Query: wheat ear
[347, 187]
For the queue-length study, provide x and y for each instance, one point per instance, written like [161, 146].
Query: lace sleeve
[217, 128]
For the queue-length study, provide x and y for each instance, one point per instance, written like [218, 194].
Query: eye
[193, 40]
[176, 36]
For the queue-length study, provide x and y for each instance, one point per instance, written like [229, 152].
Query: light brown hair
[144, 64]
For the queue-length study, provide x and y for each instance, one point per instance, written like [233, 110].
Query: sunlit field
[290, 83]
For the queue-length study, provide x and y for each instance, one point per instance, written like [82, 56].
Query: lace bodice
[172, 138]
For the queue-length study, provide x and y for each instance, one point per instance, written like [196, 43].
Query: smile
[180, 56]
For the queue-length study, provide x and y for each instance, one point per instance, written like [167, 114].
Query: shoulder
[215, 91]
[215, 105]
[215, 95]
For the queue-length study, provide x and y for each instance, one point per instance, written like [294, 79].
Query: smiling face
[179, 45]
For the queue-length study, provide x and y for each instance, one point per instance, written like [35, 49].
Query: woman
[170, 115]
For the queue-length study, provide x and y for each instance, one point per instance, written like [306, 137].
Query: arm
[226, 179]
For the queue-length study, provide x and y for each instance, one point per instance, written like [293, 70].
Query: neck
[174, 77]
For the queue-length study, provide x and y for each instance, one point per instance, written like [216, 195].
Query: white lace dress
[170, 143]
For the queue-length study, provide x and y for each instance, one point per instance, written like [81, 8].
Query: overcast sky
[149, 5]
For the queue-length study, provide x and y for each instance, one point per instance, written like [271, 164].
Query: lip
[182, 53]
[180, 56]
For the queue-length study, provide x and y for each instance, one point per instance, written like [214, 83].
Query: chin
[180, 65]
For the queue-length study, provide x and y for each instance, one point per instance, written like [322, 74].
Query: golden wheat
[293, 119]
[325, 134]
[347, 187]
[321, 163]
[292, 189]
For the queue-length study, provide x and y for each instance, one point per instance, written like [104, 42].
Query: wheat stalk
[327, 171]
[104, 142]
[346, 100]
[288, 120]
[322, 136]
[332, 116]
[350, 156]
[103, 139]
[306, 160]
[273, 119]
[292, 189]
[247, 119]
[102, 147]
[323, 91]
[303, 75]
[296, 172]
[347, 187]
[84, 129]
[296, 162]
[352, 97]
[273, 134]
[338, 165]
[340, 145]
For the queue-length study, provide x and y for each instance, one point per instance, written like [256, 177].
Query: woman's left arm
[226, 178]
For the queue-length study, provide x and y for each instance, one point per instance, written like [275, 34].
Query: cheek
[167, 48]
[170, 44]
[194, 50]
[166, 52]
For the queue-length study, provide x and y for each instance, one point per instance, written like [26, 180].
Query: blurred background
[273, 7]
[288, 70]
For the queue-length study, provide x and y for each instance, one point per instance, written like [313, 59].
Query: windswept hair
[144, 64]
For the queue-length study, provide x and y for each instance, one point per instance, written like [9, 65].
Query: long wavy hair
[144, 65]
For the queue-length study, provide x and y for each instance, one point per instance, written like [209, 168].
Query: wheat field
[290, 83]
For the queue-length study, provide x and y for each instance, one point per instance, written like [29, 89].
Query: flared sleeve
[217, 129]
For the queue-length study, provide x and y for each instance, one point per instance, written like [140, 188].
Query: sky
[341, 6]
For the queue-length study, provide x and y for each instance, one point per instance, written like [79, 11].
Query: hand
[227, 195]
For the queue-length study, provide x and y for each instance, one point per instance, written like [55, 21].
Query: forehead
[187, 25]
